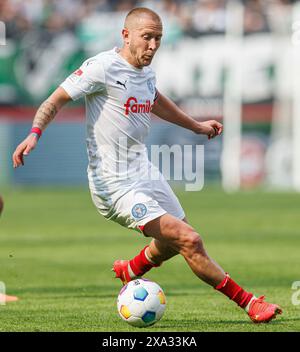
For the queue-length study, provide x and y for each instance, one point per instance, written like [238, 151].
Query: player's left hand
[211, 128]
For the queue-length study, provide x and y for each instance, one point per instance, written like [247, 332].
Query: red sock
[140, 264]
[234, 292]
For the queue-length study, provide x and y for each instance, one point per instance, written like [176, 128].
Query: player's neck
[126, 55]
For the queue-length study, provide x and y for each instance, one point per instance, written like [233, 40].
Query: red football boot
[120, 267]
[263, 312]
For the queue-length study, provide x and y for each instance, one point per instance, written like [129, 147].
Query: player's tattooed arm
[44, 115]
[49, 108]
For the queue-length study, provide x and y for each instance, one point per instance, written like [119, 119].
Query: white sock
[147, 256]
[248, 305]
[130, 272]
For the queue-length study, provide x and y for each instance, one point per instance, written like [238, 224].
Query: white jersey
[125, 186]
[119, 98]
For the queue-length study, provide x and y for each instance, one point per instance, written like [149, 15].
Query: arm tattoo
[44, 115]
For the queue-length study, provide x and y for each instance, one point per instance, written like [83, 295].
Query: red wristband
[36, 130]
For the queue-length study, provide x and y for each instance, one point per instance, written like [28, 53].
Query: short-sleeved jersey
[118, 98]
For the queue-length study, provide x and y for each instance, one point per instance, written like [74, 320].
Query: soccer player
[120, 94]
[1, 205]
[3, 297]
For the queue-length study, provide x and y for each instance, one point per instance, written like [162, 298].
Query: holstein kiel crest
[150, 85]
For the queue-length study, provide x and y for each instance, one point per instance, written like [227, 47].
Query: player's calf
[182, 238]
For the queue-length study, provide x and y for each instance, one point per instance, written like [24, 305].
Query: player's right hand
[24, 148]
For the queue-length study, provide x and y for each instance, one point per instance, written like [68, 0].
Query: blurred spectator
[189, 17]
[16, 23]
[209, 16]
[255, 18]
[172, 17]
[124, 5]
[31, 10]
[67, 31]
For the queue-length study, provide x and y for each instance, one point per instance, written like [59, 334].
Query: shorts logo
[150, 86]
[139, 210]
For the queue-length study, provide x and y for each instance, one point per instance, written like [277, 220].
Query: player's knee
[186, 240]
[191, 242]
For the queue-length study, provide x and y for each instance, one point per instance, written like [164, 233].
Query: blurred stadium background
[235, 61]
[232, 59]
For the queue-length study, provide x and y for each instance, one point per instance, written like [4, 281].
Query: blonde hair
[140, 12]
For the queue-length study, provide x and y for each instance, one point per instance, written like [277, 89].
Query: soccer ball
[141, 303]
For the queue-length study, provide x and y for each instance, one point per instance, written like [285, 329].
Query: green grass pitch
[56, 254]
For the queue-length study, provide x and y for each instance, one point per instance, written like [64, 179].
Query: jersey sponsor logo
[139, 210]
[136, 107]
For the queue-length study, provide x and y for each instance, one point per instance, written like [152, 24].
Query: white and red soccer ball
[141, 303]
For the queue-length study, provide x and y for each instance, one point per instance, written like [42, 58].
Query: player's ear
[125, 35]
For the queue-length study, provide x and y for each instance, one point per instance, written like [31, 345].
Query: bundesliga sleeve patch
[78, 72]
